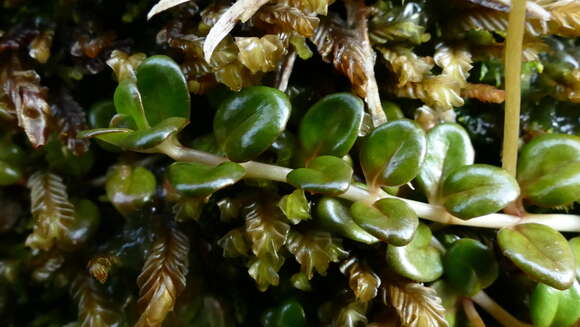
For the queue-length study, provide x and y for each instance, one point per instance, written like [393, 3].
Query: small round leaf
[392, 154]
[540, 251]
[330, 127]
[390, 220]
[549, 170]
[334, 215]
[470, 266]
[198, 180]
[417, 260]
[327, 174]
[550, 307]
[248, 122]
[129, 188]
[477, 190]
[448, 147]
[163, 89]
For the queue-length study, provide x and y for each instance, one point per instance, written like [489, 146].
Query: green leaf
[448, 147]
[295, 206]
[575, 246]
[129, 188]
[417, 260]
[84, 226]
[128, 102]
[331, 126]
[390, 220]
[392, 111]
[550, 307]
[100, 114]
[392, 154]
[540, 251]
[288, 314]
[198, 180]
[477, 190]
[334, 215]
[163, 89]
[470, 266]
[327, 174]
[248, 122]
[9, 173]
[315, 250]
[549, 170]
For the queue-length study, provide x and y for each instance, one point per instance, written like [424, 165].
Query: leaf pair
[448, 176]
[149, 110]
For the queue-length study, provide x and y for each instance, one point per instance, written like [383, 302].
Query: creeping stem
[568, 223]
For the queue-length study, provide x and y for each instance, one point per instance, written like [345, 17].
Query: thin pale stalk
[472, 313]
[568, 223]
[513, 64]
[496, 311]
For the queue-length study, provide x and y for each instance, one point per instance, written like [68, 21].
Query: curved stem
[496, 311]
[471, 313]
[569, 223]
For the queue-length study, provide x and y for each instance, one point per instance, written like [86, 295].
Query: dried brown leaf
[266, 228]
[19, 36]
[40, 46]
[394, 23]
[406, 64]
[163, 5]
[439, 92]
[70, 119]
[483, 92]
[492, 20]
[352, 315]
[313, 6]
[163, 277]
[566, 19]
[27, 100]
[260, 54]
[100, 266]
[417, 305]
[53, 213]
[314, 250]
[46, 264]
[531, 49]
[283, 18]
[361, 279]
[124, 65]
[93, 307]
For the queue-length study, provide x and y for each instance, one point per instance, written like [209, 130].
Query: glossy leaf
[9, 173]
[477, 190]
[335, 216]
[327, 174]
[267, 230]
[390, 220]
[417, 260]
[549, 170]
[470, 266]
[361, 279]
[85, 225]
[295, 206]
[128, 102]
[314, 251]
[540, 251]
[330, 127]
[198, 180]
[392, 154]
[100, 114]
[448, 147]
[248, 122]
[264, 270]
[575, 246]
[163, 89]
[289, 313]
[550, 307]
[129, 188]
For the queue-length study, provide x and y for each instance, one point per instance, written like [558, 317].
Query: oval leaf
[163, 89]
[550, 307]
[327, 174]
[417, 260]
[335, 216]
[128, 102]
[477, 190]
[148, 138]
[390, 220]
[575, 246]
[392, 154]
[540, 251]
[549, 170]
[331, 126]
[448, 147]
[130, 188]
[248, 122]
[470, 266]
[198, 180]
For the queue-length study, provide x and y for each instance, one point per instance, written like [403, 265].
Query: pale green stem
[513, 66]
[569, 223]
[496, 311]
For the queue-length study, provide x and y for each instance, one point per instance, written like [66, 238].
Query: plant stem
[285, 70]
[569, 223]
[496, 311]
[513, 64]
[471, 313]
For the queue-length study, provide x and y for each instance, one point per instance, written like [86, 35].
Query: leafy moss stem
[570, 223]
